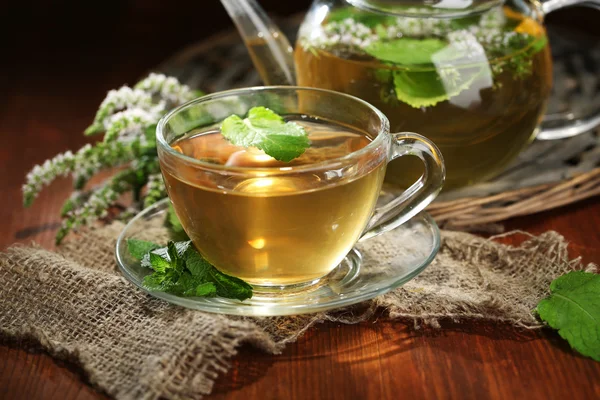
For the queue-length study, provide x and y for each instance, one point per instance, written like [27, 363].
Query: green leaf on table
[573, 308]
[267, 131]
[139, 248]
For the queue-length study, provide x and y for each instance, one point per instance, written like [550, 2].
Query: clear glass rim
[428, 10]
[162, 142]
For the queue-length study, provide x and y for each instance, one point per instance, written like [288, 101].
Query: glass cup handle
[568, 127]
[419, 194]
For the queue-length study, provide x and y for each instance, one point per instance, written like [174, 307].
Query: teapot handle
[567, 127]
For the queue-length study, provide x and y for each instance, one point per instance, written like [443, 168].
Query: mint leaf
[206, 289]
[406, 51]
[139, 248]
[225, 285]
[158, 263]
[185, 285]
[172, 252]
[267, 131]
[160, 281]
[196, 264]
[176, 261]
[427, 88]
[179, 269]
[538, 44]
[230, 286]
[573, 308]
[163, 252]
[154, 282]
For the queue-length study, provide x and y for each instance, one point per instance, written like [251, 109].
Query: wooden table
[46, 104]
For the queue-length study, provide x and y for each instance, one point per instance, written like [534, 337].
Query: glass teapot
[474, 76]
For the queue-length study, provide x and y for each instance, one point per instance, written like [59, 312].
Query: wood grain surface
[49, 96]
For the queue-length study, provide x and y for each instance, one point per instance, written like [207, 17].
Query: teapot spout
[269, 49]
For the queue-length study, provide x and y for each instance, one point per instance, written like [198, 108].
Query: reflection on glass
[477, 85]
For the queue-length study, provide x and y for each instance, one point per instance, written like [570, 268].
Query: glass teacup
[277, 224]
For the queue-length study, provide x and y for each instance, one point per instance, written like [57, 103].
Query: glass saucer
[372, 268]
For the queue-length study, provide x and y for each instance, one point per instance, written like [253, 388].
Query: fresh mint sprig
[179, 269]
[573, 308]
[267, 131]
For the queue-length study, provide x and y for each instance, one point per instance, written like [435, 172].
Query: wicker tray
[547, 175]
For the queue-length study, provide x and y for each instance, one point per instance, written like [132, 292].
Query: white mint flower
[130, 124]
[465, 42]
[347, 32]
[125, 97]
[168, 88]
[42, 175]
[494, 18]
[155, 189]
[117, 100]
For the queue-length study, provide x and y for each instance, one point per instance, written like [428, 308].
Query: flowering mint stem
[128, 116]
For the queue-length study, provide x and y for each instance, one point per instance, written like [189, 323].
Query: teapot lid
[426, 8]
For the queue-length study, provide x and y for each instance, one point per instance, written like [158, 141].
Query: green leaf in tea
[179, 269]
[267, 131]
[573, 308]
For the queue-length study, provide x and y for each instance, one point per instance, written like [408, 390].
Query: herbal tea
[274, 229]
[476, 86]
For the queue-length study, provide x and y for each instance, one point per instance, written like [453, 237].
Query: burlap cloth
[77, 306]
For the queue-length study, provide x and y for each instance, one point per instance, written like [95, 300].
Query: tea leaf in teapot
[427, 88]
[406, 51]
[424, 87]
[538, 44]
[267, 131]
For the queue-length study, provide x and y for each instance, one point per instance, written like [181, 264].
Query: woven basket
[547, 175]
